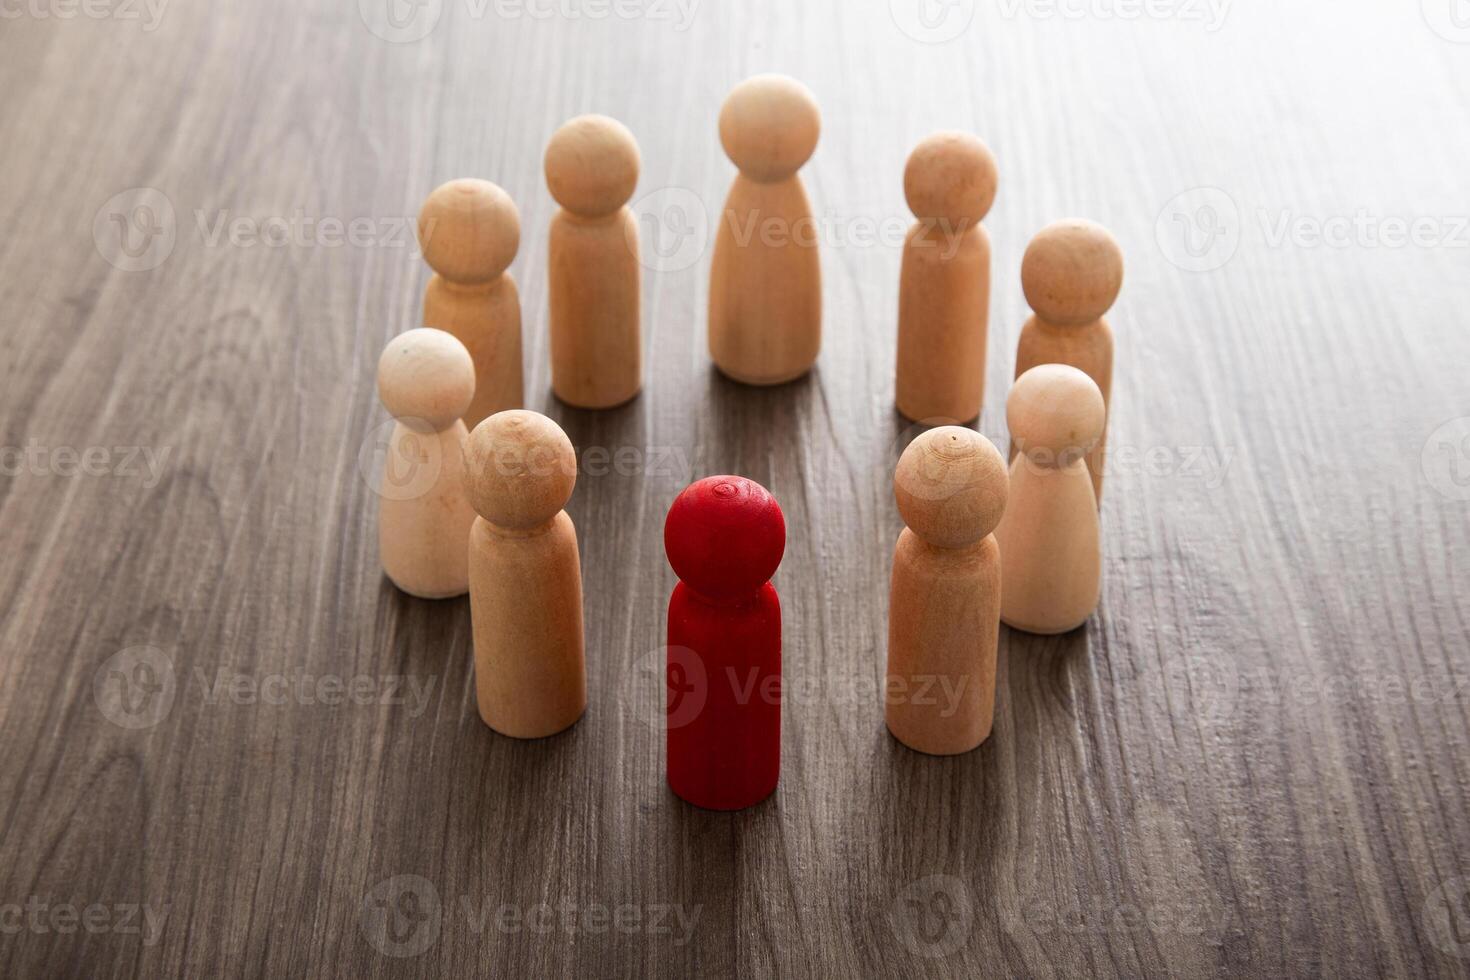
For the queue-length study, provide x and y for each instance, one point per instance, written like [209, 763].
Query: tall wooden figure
[944, 281]
[765, 295]
[1050, 552]
[1071, 274]
[944, 599]
[724, 537]
[426, 380]
[525, 577]
[596, 356]
[469, 231]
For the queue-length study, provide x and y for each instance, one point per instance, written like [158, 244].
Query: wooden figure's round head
[769, 126]
[520, 469]
[951, 485]
[469, 231]
[591, 165]
[1056, 414]
[1072, 271]
[951, 178]
[426, 374]
[725, 536]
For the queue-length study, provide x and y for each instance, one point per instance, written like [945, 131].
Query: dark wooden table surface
[230, 748]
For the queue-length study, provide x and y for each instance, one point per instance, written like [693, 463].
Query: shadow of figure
[756, 431]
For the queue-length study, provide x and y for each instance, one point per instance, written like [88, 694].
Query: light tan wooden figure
[426, 380]
[765, 298]
[525, 577]
[945, 594]
[1051, 558]
[1071, 274]
[469, 231]
[591, 169]
[944, 280]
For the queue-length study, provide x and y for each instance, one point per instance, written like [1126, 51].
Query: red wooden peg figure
[724, 537]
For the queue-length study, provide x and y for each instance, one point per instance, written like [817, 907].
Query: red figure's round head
[725, 536]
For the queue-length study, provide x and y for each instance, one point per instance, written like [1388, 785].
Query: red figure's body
[724, 538]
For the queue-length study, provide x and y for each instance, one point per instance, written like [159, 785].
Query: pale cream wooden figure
[591, 170]
[765, 300]
[525, 578]
[426, 380]
[1051, 558]
[945, 594]
[944, 280]
[1071, 274]
[469, 231]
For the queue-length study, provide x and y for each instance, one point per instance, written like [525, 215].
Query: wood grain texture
[1253, 761]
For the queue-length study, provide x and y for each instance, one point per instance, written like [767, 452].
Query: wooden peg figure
[425, 380]
[525, 576]
[469, 231]
[944, 280]
[765, 300]
[724, 537]
[1051, 555]
[1071, 274]
[945, 594]
[592, 169]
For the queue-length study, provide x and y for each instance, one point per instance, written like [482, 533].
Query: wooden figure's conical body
[1071, 274]
[943, 316]
[728, 755]
[525, 577]
[1051, 555]
[724, 537]
[765, 301]
[596, 352]
[425, 379]
[1089, 349]
[530, 674]
[487, 320]
[945, 593]
[421, 537]
[469, 231]
[944, 280]
[1050, 544]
